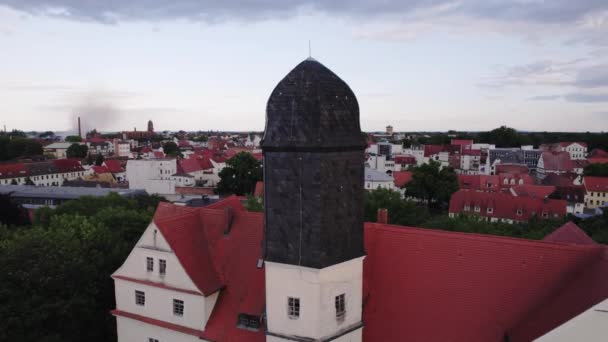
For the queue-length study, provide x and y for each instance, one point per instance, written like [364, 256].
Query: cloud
[542, 72]
[586, 97]
[108, 11]
[592, 77]
[545, 98]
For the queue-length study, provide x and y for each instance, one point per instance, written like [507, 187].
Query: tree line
[56, 283]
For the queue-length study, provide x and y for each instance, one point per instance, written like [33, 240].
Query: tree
[254, 203]
[240, 175]
[432, 183]
[400, 211]
[73, 138]
[56, 283]
[596, 170]
[17, 147]
[99, 160]
[77, 151]
[11, 213]
[47, 134]
[170, 148]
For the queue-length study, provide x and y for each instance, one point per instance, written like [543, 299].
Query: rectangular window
[293, 307]
[248, 322]
[140, 298]
[162, 266]
[340, 306]
[178, 307]
[150, 264]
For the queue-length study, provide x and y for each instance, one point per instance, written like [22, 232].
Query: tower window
[340, 307]
[149, 264]
[178, 307]
[140, 298]
[293, 307]
[162, 266]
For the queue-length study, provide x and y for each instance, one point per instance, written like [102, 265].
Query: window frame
[178, 307]
[340, 305]
[140, 298]
[293, 307]
[149, 264]
[162, 267]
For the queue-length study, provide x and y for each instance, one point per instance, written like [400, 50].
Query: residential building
[48, 173]
[122, 149]
[153, 175]
[116, 168]
[596, 192]
[503, 207]
[380, 163]
[558, 163]
[574, 195]
[377, 180]
[33, 197]
[58, 149]
[577, 150]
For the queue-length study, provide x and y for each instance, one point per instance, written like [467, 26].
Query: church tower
[150, 126]
[313, 182]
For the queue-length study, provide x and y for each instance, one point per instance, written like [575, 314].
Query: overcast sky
[211, 65]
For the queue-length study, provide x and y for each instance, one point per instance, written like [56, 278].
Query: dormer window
[545, 215]
[467, 208]
[293, 307]
[490, 210]
[519, 212]
[477, 209]
[249, 322]
[506, 181]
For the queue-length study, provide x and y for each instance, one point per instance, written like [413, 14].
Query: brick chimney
[382, 216]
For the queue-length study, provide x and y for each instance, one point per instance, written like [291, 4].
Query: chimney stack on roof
[382, 216]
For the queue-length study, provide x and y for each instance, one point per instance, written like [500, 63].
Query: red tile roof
[596, 183]
[402, 178]
[430, 150]
[598, 153]
[557, 161]
[537, 191]
[259, 189]
[479, 182]
[505, 206]
[13, 170]
[158, 154]
[189, 243]
[113, 166]
[68, 165]
[100, 169]
[466, 287]
[194, 164]
[405, 159]
[470, 152]
[476, 288]
[598, 160]
[569, 233]
[512, 168]
[465, 142]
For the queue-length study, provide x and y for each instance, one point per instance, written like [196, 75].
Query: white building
[591, 325]
[153, 175]
[122, 149]
[58, 149]
[378, 180]
[380, 164]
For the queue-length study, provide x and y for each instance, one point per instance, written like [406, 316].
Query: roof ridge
[476, 236]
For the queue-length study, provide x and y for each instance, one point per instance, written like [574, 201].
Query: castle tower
[313, 182]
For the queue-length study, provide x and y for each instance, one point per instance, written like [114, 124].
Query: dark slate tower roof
[312, 109]
[313, 170]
